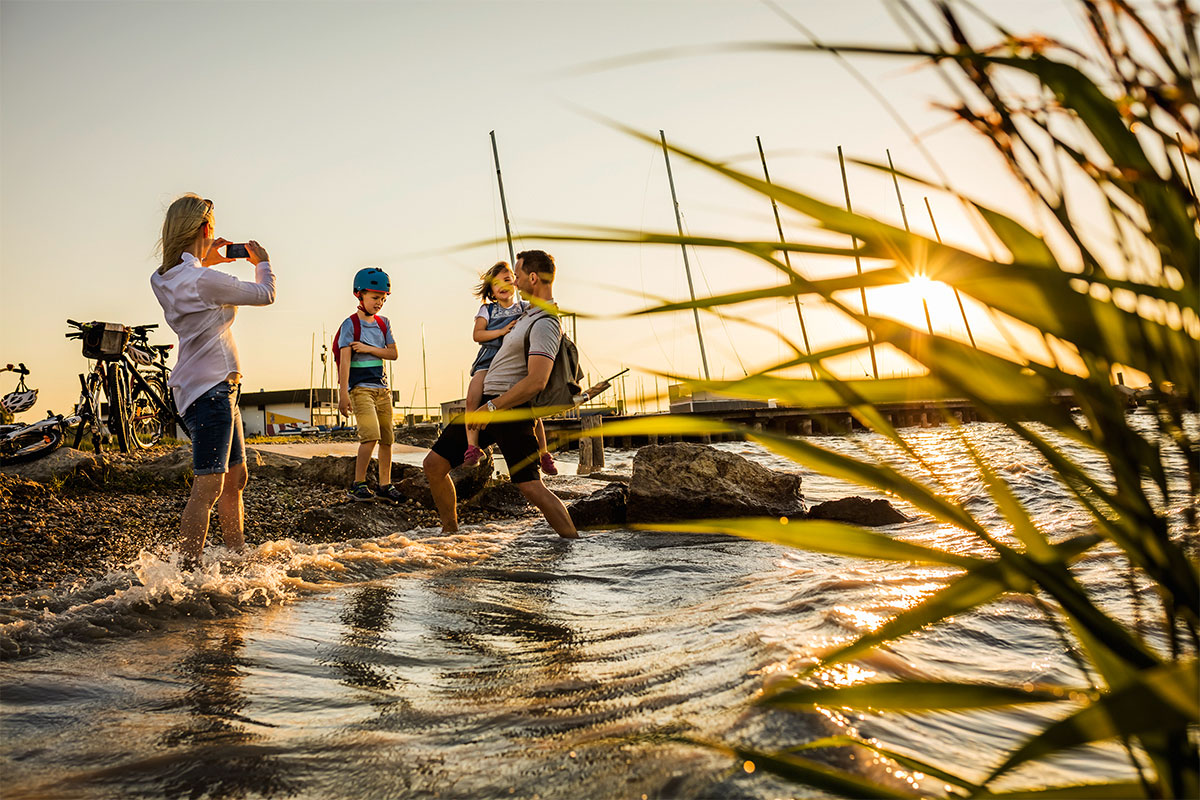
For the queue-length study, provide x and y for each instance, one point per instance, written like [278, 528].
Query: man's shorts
[214, 422]
[372, 407]
[516, 440]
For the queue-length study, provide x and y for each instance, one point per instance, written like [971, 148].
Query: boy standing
[362, 343]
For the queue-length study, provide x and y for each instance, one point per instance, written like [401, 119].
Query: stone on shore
[357, 520]
[858, 511]
[503, 499]
[266, 463]
[468, 482]
[604, 508]
[339, 470]
[679, 481]
[173, 467]
[59, 465]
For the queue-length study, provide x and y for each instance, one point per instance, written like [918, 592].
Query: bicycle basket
[140, 355]
[104, 340]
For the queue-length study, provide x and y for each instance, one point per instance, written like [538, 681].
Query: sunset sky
[342, 135]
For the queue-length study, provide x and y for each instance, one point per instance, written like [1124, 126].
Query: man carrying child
[513, 380]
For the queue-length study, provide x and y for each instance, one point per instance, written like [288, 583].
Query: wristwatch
[491, 407]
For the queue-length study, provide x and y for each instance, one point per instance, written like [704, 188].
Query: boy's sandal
[548, 465]
[472, 456]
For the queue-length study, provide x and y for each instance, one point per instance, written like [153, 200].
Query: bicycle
[19, 442]
[139, 409]
[148, 421]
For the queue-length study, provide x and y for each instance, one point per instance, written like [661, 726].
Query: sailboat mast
[904, 217]
[786, 257]
[961, 309]
[512, 258]
[862, 290]
[686, 267]
[424, 369]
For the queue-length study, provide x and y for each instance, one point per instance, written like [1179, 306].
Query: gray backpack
[565, 375]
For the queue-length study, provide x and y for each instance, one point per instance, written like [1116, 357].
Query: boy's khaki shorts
[372, 407]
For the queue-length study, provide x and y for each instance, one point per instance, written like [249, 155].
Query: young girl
[499, 313]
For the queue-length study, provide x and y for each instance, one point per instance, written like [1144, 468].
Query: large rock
[604, 508]
[173, 467]
[858, 511]
[468, 482]
[418, 435]
[503, 499]
[694, 481]
[61, 464]
[356, 520]
[269, 464]
[339, 470]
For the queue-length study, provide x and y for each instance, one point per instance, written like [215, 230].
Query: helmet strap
[360, 305]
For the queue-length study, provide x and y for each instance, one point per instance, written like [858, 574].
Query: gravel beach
[78, 528]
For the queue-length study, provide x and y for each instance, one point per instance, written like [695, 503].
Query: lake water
[504, 662]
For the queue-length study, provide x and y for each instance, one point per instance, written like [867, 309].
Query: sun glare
[906, 303]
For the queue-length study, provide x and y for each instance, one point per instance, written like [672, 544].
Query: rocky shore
[74, 516]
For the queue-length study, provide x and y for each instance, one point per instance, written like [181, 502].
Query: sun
[921, 303]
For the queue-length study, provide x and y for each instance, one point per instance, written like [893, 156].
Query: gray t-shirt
[509, 366]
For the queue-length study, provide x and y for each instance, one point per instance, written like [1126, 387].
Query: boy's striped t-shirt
[366, 370]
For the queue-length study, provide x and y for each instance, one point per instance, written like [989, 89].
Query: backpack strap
[337, 344]
[529, 332]
[382, 323]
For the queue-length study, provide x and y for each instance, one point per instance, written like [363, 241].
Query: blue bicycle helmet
[372, 279]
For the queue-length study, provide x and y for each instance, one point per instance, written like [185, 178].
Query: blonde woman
[200, 304]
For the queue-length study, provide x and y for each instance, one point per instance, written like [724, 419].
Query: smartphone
[236, 251]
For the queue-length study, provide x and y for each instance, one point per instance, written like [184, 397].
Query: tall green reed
[1119, 125]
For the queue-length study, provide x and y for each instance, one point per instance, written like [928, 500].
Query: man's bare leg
[551, 507]
[437, 472]
[230, 508]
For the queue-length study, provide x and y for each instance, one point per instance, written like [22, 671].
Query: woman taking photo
[200, 304]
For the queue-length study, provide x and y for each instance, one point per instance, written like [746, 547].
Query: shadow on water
[214, 751]
[367, 616]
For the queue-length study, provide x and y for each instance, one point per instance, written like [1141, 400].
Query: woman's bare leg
[194, 526]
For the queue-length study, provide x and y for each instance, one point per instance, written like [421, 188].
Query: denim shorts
[215, 424]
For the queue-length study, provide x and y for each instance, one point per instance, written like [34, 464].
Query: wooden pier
[781, 419]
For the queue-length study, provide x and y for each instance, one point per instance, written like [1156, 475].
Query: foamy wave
[152, 591]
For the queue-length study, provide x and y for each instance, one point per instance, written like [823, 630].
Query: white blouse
[200, 304]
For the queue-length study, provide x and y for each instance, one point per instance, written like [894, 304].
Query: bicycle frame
[136, 378]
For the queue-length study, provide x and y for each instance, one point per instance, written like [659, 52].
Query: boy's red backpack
[354, 321]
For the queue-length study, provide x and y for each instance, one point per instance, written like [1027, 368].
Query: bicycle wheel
[31, 446]
[118, 407]
[89, 411]
[147, 422]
